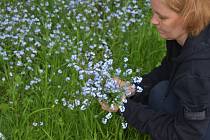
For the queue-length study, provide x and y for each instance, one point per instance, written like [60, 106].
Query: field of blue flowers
[58, 58]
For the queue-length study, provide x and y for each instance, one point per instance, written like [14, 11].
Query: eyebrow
[156, 12]
[159, 13]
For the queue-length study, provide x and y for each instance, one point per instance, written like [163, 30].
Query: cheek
[178, 24]
[179, 28]
[172, 26]
[167, 31]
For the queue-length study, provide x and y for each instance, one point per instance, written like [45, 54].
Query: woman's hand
[129, 89]
[105, 106]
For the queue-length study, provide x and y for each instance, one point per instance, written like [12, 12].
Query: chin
[165, 37]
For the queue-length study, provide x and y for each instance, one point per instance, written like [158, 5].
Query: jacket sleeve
[156, 75]
[189, 123]
[162, 72]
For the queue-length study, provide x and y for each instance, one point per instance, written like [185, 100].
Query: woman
[178, 107]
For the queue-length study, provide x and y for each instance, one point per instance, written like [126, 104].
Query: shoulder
[197, 49]
[201, 40]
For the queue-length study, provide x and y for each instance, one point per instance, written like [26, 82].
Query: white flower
[122, 108]
[139, 89]
[68, 78]
[77, 102]
[112, 107]
[56, 101]
[3, 78]
[41, 70]
[118, 71]
[60, 71]
[138, 70]
[124, 100]
[81, 77]
[27, 87]
[129, 71]
[19, 63]
[125, 59]
[10, 74]
[71, 106]
[109, 115]
[83, 107]
[104, 120]
[64, 102]
[35, 124]
[41, 123]
[124, 125]
[137, 79]
[2, 136]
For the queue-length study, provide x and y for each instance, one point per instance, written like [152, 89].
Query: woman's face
[168, 23]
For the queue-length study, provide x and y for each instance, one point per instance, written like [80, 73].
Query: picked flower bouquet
[103, 83]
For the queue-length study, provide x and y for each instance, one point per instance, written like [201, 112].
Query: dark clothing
[158, 100]
[187, 69]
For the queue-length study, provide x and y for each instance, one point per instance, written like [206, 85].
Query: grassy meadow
[49, 49]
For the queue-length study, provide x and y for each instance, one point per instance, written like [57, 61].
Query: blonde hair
[196, 13]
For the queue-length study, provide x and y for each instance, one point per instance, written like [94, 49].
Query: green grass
[20, 108]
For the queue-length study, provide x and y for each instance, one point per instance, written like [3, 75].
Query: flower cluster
[2, 136]
[38, 124]
[65, 46]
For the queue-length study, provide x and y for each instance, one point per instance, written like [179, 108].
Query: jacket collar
[197, 47]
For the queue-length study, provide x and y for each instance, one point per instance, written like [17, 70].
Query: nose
[154, 20]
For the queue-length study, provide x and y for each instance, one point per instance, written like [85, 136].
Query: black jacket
[188, 70]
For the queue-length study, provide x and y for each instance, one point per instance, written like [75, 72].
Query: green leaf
[4, 107]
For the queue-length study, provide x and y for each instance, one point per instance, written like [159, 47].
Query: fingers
[126, 85]
[106, 107]
[120, 82]
[131, 90]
